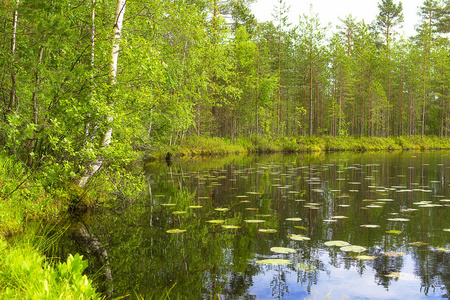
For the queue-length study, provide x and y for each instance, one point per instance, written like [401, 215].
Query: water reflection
[333, 195]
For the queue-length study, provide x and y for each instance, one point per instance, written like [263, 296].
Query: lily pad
[230, 227]
[314, 207]
[168, 204]
[298, 237]
[430, 205]
[442, 249]
[222, 209]
[282, 250]
[176, 231]
[398, 219]
[179, 212]
[355, 248]
[422, 203]
[274, 261]
[254, 221]
[301, 227]
[216, 221]
[418, 244]
[339, 217]
[195, 206]
[370, 226]
[394, 231]
[409, 210]
[336, 243]
[393, 254]
[446, 229]
[365, 257]
[254, 193]
[329, 221]
[267, 230]
[294, 219]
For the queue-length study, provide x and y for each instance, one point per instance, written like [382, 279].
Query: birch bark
[94, 166]
[12, 96]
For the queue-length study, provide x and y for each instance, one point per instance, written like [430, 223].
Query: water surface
[321, 197]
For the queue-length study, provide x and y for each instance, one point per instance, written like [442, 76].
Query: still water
[205, 229]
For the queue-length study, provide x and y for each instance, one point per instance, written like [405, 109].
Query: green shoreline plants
[204, 146]
[28, 274]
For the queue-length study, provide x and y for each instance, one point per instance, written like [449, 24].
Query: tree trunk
[12, 95]
[34, 97]
[88, 125]
[424, 90]
[400, 130]
[310, 93]
[94, 166]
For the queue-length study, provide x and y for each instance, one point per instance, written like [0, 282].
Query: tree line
[78, 74]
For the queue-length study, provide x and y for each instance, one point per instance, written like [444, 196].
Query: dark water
[208, 261]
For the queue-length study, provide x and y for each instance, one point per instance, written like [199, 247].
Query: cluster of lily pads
[314, 180]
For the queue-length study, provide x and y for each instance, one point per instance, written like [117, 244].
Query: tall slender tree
[390, 16]
[280, 15]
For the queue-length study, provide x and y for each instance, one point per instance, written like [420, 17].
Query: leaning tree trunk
[94, 166]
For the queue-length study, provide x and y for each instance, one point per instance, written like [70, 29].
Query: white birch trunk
[88, 125]
[12, 96]
[93, 167]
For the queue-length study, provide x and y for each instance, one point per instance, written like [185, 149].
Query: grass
[27, 274]
[21, 199]
[204, 146]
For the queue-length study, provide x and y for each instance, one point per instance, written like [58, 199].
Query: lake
[282, 227]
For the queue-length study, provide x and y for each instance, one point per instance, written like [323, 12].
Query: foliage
[27, 274]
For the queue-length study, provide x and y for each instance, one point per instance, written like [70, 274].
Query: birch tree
[12, 97]
[94, 166]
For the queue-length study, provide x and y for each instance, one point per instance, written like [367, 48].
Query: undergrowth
[27, 274]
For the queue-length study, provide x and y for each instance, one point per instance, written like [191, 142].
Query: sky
[331, 10]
